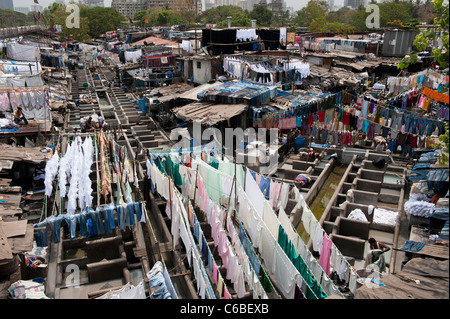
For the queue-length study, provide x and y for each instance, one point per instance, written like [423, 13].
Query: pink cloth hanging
[274, 195]
[324, 260]
[215, 273]
[421, 101]
[226, 294]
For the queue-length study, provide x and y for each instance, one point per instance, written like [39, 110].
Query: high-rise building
[36, 8]
[7, 4]
[128, 8]
[275, 6]
[23, 10]
[330, 5]
[93, 3]
[184, 5]
[354, 3]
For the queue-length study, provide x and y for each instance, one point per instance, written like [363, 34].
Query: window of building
[199, 65]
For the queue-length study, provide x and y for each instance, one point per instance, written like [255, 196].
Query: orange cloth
[435, 95]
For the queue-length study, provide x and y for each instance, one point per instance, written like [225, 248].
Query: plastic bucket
[299, 143]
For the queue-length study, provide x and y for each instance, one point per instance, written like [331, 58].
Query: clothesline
[257, 214]
[297, 198]
[240, 214]
[188, 242]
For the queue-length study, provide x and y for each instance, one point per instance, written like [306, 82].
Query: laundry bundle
[303, 179]
[419, 208]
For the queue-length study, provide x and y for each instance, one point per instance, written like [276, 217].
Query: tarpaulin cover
[22, 52]
[419, 279]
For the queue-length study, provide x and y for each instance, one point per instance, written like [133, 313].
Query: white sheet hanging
[51, 169]
[21, 52]
[187, 46]
[245, 35]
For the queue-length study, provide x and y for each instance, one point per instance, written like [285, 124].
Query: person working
[19, 116]
[100, 121]
[170, 76]
[375, 256]
[89, 126]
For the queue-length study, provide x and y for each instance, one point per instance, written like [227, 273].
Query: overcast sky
[296, 4]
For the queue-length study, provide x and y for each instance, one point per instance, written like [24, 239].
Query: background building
[161, 3]
[23, 10]
[354, 3]
[7, 4]
[36, 8]
[93, 3]
[330, 5]
[128, 8]
[185, 5]
[275, 6]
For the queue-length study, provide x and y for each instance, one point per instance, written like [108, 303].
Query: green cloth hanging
[265, 282]
[298, 262]
[158, 164]
[173, 170]
[214, 163]
[214, 186]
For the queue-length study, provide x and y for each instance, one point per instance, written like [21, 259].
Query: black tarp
[224, 41]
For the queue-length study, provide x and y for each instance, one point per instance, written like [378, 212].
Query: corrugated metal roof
[208, 113]
[157, 41]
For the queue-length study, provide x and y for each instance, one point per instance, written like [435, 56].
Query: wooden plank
[437, 251]
[5, 248]
[139, 252]
[10, 211]
[23, 243]
[15, 228]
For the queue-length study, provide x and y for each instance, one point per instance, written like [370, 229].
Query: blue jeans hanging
[72, 221]
[137, 210]
[82, 218]
[55, 227]
[130, 214]
[40, 234]
[122, 216]
[107, 223]
[97, 221]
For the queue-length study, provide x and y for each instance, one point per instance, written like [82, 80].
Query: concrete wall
[202, 71]
[353, 247]
[350, 227]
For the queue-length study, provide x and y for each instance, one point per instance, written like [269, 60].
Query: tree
[48, 11]
[342, 15]
[444, 146]
[281, 19]
[434, 40]
[9, 18]
[94, 21]
[426, 13]
[318, 25]
[314, 9]
[237, 20]
[321, 25]
[392, 11]
[358, 20]
[262, 15]
[169, 17]
[101, 19]
[220, 14]
[140, 16]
